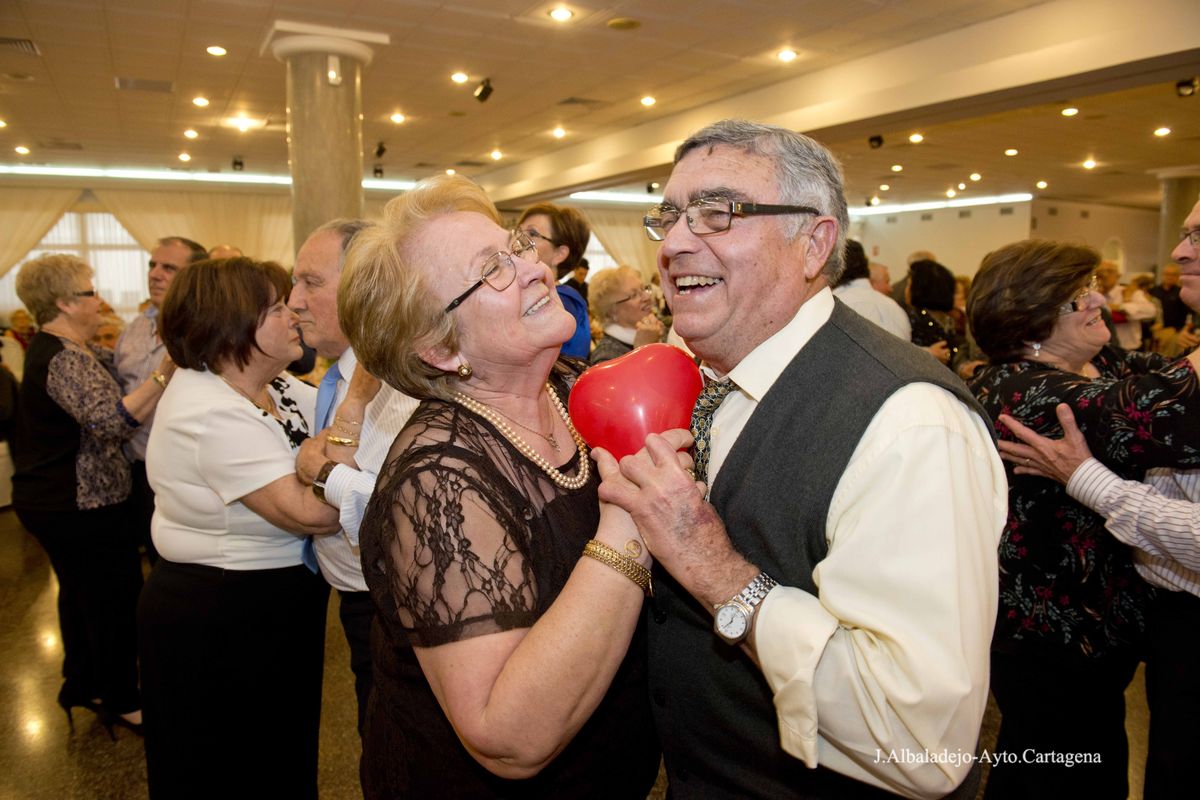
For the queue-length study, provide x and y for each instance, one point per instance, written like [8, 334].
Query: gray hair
[808, 173]
[347, 229]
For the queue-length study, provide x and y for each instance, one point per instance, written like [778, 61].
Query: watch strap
[318, 484]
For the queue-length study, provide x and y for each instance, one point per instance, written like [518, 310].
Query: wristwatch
[318, 484]
[735, 618]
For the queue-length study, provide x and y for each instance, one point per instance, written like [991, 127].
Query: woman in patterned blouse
[1072, 608]
[72, 481]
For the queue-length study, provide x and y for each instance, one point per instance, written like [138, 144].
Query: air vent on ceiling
[25, 46]
[926, 217]
[1007, 211]
[424, 165]
[144, 85]
[964, 213]
[587, 102]
[469, 163]
[58, 144]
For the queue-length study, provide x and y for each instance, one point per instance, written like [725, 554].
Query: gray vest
[713, 707]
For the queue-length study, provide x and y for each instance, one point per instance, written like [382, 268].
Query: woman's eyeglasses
[499, 270]
[1080, 301]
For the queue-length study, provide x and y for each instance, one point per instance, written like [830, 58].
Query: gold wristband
[159, 378]
[339, 440]
[622, 564]
[347, 421]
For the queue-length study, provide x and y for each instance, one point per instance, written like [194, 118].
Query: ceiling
[63, 104]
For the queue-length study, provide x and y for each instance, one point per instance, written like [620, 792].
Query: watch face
[731, 621]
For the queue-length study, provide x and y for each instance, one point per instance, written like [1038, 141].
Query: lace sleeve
[443, 541]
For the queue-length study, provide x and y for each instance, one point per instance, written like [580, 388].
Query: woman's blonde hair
[386, 306]
[604, 290]
[43, 281]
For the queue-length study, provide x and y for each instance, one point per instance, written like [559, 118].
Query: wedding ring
[691, 472]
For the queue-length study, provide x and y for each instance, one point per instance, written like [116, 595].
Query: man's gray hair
[808, 173]
[347, 229]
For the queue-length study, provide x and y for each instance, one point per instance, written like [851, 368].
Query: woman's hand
[649, 330]
[166, 367]
[940, 351]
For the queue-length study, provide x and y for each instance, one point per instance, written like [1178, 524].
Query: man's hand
[1187, 339]
[310, 458]
[682, 531]
[1056, 459]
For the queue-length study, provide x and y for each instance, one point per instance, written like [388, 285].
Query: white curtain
[26, 215]
[622, 234]
[260, 225]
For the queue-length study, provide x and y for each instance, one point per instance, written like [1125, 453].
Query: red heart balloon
[617, 403]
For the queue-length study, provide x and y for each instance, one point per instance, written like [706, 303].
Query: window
[118, 260]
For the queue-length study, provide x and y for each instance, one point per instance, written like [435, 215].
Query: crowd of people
[891, 500]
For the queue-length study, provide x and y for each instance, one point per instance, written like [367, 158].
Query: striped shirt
[1159, 518]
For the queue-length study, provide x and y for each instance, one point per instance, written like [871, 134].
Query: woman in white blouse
[231, 620]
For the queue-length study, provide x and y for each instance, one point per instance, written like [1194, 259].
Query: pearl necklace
[493, 416]
[549, 437]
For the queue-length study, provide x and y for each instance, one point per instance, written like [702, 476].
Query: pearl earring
[1037, 349]
[464, 370]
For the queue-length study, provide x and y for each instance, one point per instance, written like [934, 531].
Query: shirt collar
[346, 364]
[757, 372]
[621, 333]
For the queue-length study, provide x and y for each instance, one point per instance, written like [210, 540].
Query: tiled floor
[41, 758]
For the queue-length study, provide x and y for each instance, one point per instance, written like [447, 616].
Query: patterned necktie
[702, 414]
[326, 393]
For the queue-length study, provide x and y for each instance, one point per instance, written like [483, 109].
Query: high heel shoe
[67, 700]
[110, 720]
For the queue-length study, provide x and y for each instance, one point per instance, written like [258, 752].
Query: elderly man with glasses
[826, 582]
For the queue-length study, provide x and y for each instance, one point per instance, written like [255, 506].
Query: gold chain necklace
[495, 417]
[549, 437]
[270, 408]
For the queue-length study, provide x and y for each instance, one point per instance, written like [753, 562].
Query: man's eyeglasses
[1080, 301]
[498, 271]
[710, 215]
[1193, 236]
[88, 293]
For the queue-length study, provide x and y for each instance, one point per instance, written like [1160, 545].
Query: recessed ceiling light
[191, 134]
[916, 138]
[1070, 111]
[951, 193]
[216, 50]
[184, 157]
[1042, 184]
[883, 187]
[452, 171]
[1089, 164]
[3, 124]
[459, 77]
[397, 118]
[497, 155]
[1012, 151]
[655, 185]
[962, 186]
[201, 102]
[874, 201]
[897, 168]
[975, 176]
[1164, 131]
[787, 55]
[648, 101]
[559, 132]
[561, 14]
[22, 149]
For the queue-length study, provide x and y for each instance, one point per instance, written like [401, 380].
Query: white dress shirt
[875, 306]
[350, 489]
[891, 657]
[1160, 518]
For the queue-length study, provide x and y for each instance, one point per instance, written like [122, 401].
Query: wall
[1135, 229]
[959, 237]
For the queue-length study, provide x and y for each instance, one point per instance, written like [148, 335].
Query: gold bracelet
[622, 564]
[341, 441]
[159, 378]
[347, 421]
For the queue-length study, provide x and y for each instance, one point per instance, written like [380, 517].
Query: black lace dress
[464, 537]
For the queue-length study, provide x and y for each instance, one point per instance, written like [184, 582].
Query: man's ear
[823, 239]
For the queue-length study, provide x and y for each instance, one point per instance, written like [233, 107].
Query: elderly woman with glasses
[1072, 608]
[509, 655]
[72, 482]
[623, 305]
